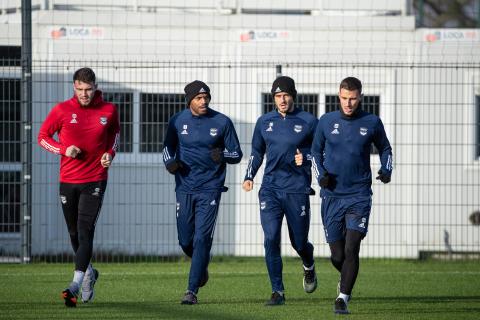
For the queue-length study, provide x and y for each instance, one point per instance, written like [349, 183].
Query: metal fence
[431, 114]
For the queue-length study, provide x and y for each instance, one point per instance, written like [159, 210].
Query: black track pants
[81, 204]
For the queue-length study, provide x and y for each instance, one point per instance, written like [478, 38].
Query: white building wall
[426, 111]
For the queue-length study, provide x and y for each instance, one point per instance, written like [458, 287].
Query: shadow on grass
[138, 310]
[235, 309]
[434, 305]
[417, 299]
[117, 310]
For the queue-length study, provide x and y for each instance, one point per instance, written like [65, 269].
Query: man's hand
[324, 181]
[298, 158]
[106, 160]
[173, 166]
[72, 151]
[247, 185]
[383, 177]
[217, 155]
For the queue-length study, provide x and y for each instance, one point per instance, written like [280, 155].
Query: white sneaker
[309, 280]
[88, 292]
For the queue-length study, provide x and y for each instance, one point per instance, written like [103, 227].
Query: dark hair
[85, 75]
[351, 84]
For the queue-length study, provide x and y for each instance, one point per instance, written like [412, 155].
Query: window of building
[156, 109]
[369, 103]
[124, 103]
[307, 102]
[10, 144]
[10, 120]
[10, 56]
[9, 201]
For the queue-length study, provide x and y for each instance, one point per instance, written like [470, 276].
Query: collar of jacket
[206, 115]
[97, 99]
[355, 114]
[291, 113]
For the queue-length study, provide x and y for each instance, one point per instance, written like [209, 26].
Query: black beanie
[284, 84]
[195, 88]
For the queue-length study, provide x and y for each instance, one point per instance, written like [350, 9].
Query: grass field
[238, 288]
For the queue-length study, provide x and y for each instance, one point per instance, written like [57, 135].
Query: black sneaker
[340, 306]
[277, 299]
[309, 280]
[189, 298]
[204, 279]
[70, 298]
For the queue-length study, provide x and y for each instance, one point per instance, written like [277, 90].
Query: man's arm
[256, 157]
[114, 134]
[381, 142]
[318, 157]
[50, 126]
[113, 140]
[170, 148]
[232, 153]
[304, 152]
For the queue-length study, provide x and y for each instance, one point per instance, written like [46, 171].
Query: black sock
[337, 250]
[351, 264]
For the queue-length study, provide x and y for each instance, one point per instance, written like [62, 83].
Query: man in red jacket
[88, 130]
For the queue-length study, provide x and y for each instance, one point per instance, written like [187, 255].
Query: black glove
[324, 181]
[217, 155]
[173, 166]
[383, 177]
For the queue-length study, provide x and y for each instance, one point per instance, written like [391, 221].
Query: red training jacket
[94, 129]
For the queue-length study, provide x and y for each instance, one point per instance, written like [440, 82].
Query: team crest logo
[213, 132]
[270, 127]
[103, 120]
[363, 131]
[335, 129]
[184, 131]
[74, 118]
[263, 205]
[297, 128]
